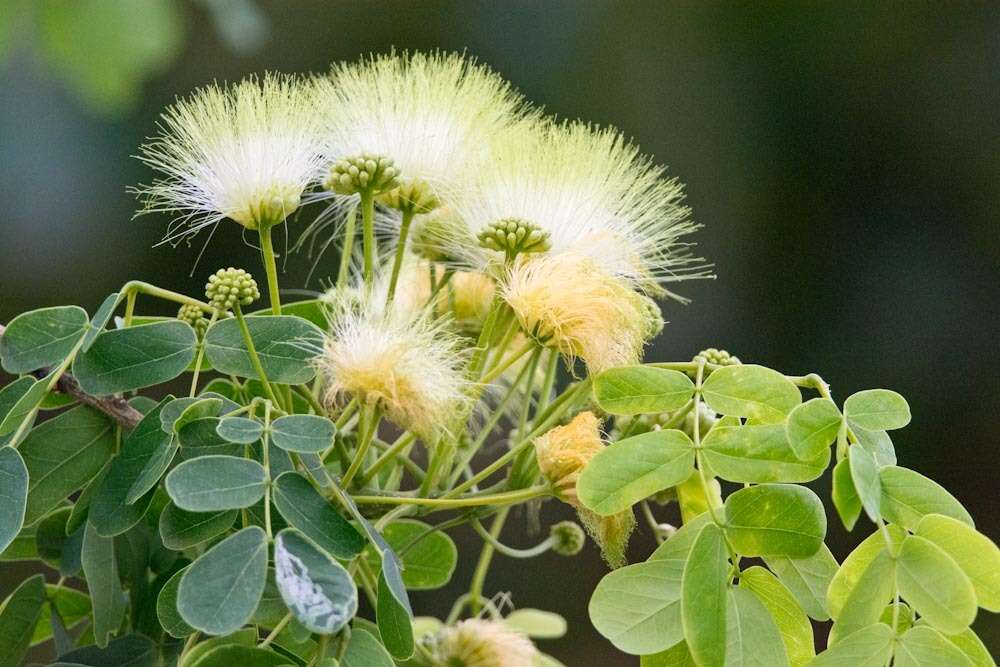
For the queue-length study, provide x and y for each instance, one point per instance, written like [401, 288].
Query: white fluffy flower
[246, 152]
[478, 642]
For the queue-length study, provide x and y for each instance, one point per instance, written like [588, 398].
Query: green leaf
[214, 483]
[752, 638]
[428, 563]
[676, 656]
[220, 591]
[18, 616]
[62, 455]
[845, 496]
[283, 345]
[975, 553]
[305, 509]
[751, 391]
[13, 495]
[245, 656]
[166, 608]
[638, 607]
[775, 520]
[878, 444]
[877, 410]
[9, 396]
[808, 579]
[239, 430]
[100, 567]
[126, 359]
[759, 454]
[154, 448]
[191, 410]
[317, 589]
[633, 390]
[865, 475]
[41, 338]
[792, 623]
[678, 546]
[128, 651]
[100, 320]
[536, 623]
[73, 607]
[854, 566]
[907, 496]
[180, 529]
[935, 585]
[972, 647]
[393, 613]
[363, 650]
[302, 433]
[812, 427]
[629, 470]
[922, 646]
[201, 438]
[868, 647]
[704, 588]
[867, 600]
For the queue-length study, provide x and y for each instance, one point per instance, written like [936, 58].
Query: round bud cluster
[362, 173]
[227, 288]
[513, 236]
[567, 538]
[412, 196]
[717, 357]
[194, 316]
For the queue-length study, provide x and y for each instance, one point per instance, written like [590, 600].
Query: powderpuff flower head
[405, 362]
[477, 642]
[423, 119]
[562, 454]
[245, 152]
[572, 187]
[569, 302]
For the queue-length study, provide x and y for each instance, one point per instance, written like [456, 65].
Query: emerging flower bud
[717, 357]
[411, 196]
[513, 236]
[228, 287]
[567, 538]
[432, 236]
[366, 172]
[477, 642]
[194, 316]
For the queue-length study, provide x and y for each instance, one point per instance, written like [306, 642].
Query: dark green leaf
[41, 338]
[128, 651]
[239, 430]
[18, 616]
[283, 345]
[759, 454]
[364, 650]
[704, 589]
[302, 433]
[100, 319]
[73, 607]
[199, 408]
[317, 589]
[632, 390]
[126, 359]
[812, 427]
[877, 410]
[201, 438]
[100, 567]
[214, 483]
[395, 619]
[908, 496]
[427, 563]
[305, 509]
[775, 520]
[244, 656]
[180, 529]
[13, 495]
[751, 391]
[9, 396]
[166, 608]
[935, 586]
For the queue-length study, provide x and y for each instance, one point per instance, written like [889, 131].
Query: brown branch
[113, 406]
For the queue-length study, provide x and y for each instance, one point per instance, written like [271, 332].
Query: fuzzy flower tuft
[410, 365]
[478, 642]
[567, 301]
[246, 152]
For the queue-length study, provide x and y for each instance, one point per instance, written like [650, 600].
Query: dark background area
[843, 160]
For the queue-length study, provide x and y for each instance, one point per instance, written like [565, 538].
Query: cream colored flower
[478, 642]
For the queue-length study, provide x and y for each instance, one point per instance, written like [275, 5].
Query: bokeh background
[843, 158]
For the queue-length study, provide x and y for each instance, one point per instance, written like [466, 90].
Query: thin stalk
[506, 498]
[139, 287]
[345, 254]
[279, 626]
[270, 268]
[265, 455]
[252, 351]
[199, 357]
[401, 443]
[483, 564]
[130, 299]
[502, 366]
[370, 416]
[531, 552]
[397, 265]
[368, 233]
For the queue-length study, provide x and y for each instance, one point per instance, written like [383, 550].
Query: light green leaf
[922, 646]
[427, 564]
[704, 597]
[759, 454]
[214, 483]
[877, 410]
[305, 509]
[868, 647]
[878, 444]
[126, 359]
[676, 656]
[865, 475]
[239, 430]
[972, 647]
[393, 613]
[166, 608]
[935, 585]
[775, 520]
[752, 638]
[536, 623]
[180, 529]
[363, 650]
[13, 495]
[638, 607]
[18, 616]
[792, 623]
[62, 455]
[220, 591]
[975, 553]
[629, 470]
[633, 390]
[100, 567]
[678, 546]
[302, 433]
[317, 589]
[867, 600]
[812, 427]
[845, 496]
[41, 338]
[907, 496]
[855, 565]
[283, 345]
[808, 579]
[751, 391]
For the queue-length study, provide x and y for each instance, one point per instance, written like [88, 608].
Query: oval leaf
[935, 586]
[864, 475]
[812, 427]
[41, 338]
[304, 508]
[751, 391]
[869, 647]
[633, 390]
[180, 529]
[429, 557]
[775, 520]
[638, 607]
[908, 496]
[792, 623]
[239, 430]
[751, 634]
[975, 553]
[126, 359]
[704, 587]
[302, 433]
[283, 344]
[925, 647]
[317, 589]
[845, 496]
[13, 495]
[18, 616]
[166, 608]
[877, 410]
[807, 579]
[214, 483]
[867, 599]
[759, 455]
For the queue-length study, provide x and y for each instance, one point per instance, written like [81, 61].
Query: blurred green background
[843, 159]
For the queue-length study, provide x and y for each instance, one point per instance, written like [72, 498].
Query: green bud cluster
[412, 196]
[362, 173]
[717, 357]
[567, 538]
[513, 236]
[227, 288]
[194, 316]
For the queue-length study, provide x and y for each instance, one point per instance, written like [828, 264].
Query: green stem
[270, 268]
[139, 287]
[265, 455]
[368, 232]
[483, 565]
[401, 443]
[494, 542]
[130, 299]
[506, 498]
[502, 366]
[397, 265]
[199, 357]
[276, 630]
[345, 254]
[252, 352]
[370, 416]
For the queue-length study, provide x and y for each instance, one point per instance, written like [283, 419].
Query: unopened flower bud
[227, 288]
[513, 236]
[367, 172]
[411, 196]
[717, 357]
[434, 235]
[567, 538]
[194, 316]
